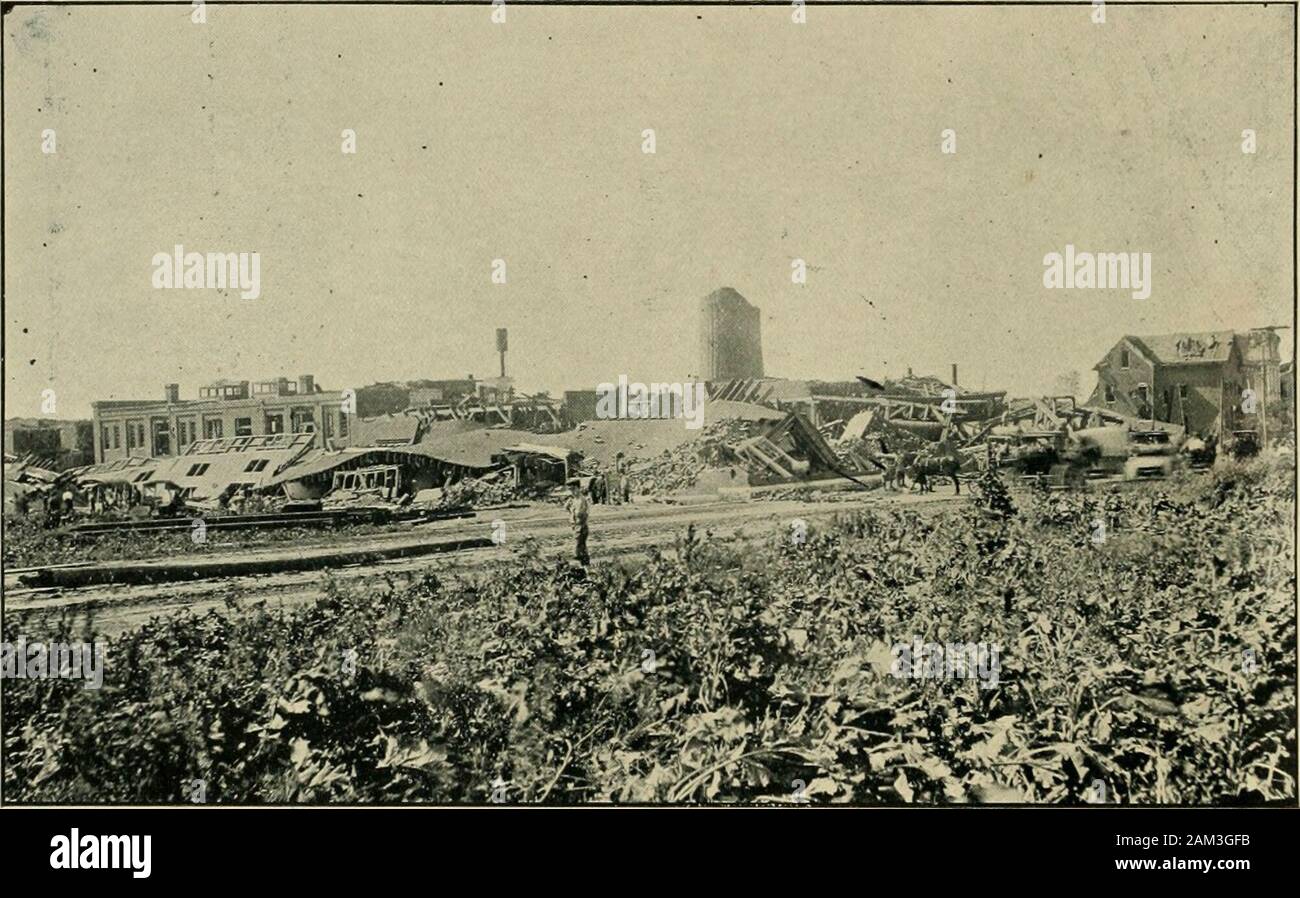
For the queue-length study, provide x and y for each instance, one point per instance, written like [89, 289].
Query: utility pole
[1263, 408]
[1266, 343]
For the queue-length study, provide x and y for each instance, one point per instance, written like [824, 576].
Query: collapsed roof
[210, 467]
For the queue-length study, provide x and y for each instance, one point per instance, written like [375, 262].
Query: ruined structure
[1194, 380]
[157, 428]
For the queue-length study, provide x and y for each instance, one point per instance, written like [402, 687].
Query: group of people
[598, 490]
[920, 468]
[609, 487]
[898, 468]
[59, 505]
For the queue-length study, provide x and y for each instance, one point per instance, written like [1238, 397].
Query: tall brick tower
[731, 342]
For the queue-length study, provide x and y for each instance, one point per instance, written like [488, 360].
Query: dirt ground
[616, 532]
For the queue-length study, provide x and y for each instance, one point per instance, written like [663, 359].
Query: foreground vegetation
[1148, 660]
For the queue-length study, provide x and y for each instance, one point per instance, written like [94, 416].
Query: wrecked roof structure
[22, 477]
[557, 453]
[924, 406]
[1185, 349]
[123, 470]
[539, 412]
[534, 463]
[386, 430]
[321, 461]
[210, 467]
[23, 470]
[786, 450]
[476, 448]
[915, 409]
[467, 452]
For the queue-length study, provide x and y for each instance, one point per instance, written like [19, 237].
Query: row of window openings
[213, 429]
[254, 466]
[240, 391]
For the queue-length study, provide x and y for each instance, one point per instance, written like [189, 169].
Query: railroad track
[617, 533]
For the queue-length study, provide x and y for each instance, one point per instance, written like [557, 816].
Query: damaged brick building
[1192, 379]
[155, 428]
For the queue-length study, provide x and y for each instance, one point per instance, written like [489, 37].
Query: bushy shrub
[1154, 664]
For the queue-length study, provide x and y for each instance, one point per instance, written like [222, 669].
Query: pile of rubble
[497, 488]
[676, 470]
[477, 492]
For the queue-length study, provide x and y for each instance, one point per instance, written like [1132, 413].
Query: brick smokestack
[172, 392]
[954, 374]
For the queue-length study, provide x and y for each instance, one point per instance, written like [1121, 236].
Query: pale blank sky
[522, 141]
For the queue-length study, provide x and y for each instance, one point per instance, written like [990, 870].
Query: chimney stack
[954, 374]
[172, 392]
[306, 383]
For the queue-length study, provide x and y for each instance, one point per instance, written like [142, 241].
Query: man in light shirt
[578, 508]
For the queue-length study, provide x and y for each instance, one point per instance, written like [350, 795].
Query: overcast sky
[523, 142]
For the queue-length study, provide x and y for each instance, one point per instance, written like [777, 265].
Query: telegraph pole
[1267, 354]
[1263, 423]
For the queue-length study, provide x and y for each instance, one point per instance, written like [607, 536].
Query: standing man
[578, 508]
[919, 473]
[615, 479]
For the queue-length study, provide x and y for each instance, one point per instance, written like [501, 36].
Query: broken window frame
[302, 419]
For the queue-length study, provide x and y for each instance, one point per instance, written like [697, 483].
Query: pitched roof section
[319, 461]
[386, 430]
[1186, 349]
[208, 474]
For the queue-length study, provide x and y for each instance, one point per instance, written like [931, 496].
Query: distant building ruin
[731, 343]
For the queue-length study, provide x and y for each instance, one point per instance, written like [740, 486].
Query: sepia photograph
[649, 405]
